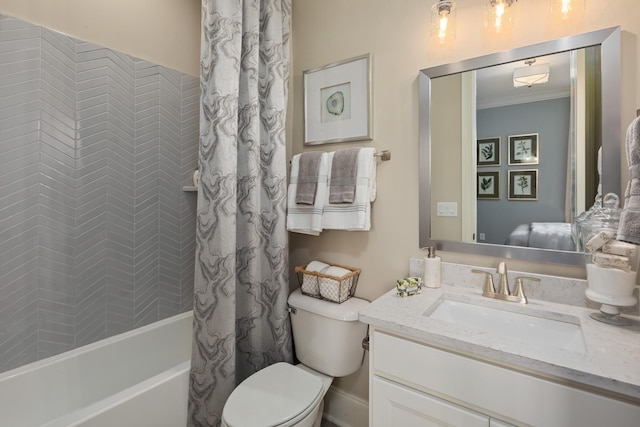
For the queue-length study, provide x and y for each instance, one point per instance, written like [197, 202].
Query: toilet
[328, 341]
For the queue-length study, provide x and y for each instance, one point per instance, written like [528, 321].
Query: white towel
[354, 216]
[307, 219]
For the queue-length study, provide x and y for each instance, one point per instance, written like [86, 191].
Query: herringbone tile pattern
[96, 234]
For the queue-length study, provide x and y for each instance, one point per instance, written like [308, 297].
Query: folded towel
[617, 247]
[344, 166]
[307, 219]
[629, 228]
[309, 165]
[357, 215]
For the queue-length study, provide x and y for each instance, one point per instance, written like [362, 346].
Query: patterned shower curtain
[241, 276]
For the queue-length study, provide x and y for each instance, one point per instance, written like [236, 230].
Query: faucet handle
[489, 288]
[519, 292]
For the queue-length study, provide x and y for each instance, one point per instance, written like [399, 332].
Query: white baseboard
[344, 409]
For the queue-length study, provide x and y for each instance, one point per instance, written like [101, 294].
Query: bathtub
[138, 378]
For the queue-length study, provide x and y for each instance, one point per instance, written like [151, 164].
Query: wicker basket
[324, 286]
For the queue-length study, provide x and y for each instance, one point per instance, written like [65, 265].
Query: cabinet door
[394, 405]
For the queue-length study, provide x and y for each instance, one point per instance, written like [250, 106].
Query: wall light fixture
[566, 9]
[499, 14]
[443, 20]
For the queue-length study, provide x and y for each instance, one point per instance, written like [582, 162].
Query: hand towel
[629, 228]
[344, 166]
[307, 219]
[309, 165]
[355, 216]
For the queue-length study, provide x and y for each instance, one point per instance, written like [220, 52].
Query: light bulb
[499, 14]
[565, 9]
[442, 32]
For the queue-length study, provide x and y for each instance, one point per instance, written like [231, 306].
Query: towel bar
[384, 155]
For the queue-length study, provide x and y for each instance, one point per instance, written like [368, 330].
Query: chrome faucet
[504, 293]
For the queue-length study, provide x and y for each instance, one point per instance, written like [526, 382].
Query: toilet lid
[272, 396]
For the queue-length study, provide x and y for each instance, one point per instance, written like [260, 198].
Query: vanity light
[566, 10]
[498, 14]
[443, 20]
[531, 74]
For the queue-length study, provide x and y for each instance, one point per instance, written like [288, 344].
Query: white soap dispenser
[432, 275]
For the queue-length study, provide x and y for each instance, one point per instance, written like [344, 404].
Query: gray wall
[96, 234]
[550, 119]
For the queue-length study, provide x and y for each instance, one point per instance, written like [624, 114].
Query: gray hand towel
[344, 168]
[629, 228]
[308, 168]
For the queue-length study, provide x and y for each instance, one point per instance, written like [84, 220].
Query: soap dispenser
[432, 275]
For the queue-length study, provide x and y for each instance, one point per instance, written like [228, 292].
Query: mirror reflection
[512, 147]
[532, 157]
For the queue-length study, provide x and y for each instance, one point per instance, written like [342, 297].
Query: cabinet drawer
[394, 405]
[494, 390]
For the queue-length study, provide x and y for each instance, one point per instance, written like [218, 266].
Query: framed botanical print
[488, 185]
[523, 184]
[488, 151]
[523, 149]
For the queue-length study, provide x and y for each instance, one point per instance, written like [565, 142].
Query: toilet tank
[328, 336]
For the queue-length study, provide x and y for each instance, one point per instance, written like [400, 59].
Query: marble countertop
[611, 362]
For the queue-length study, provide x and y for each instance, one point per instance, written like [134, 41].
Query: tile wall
[96, 235]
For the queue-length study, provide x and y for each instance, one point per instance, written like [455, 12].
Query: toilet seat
[279, 395]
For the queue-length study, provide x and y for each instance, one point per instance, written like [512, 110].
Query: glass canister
[606, 218]
[579, 221]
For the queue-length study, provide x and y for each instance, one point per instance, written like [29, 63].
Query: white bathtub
[139, 378]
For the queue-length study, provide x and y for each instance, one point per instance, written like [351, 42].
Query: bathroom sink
[531, 327]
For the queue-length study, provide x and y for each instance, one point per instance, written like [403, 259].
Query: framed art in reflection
[488, 185]
[488, 151]
[523, 149]
[523, 184]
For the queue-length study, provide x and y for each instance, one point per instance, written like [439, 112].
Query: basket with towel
[331, 282]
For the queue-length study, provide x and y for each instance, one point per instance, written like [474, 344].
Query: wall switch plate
[447, 208]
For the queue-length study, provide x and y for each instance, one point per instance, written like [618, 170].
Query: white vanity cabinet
[393, 404]
[413, 385]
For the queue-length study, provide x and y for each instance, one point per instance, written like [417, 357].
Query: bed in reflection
[544, 235]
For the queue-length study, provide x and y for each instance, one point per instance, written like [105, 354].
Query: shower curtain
[241, 276]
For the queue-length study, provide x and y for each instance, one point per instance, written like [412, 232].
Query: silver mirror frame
[609, 39]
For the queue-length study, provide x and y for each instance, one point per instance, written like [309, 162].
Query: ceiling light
[531, 74]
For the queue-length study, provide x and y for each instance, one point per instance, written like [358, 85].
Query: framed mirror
[482, 147]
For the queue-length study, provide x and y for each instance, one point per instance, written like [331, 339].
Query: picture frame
[523, 149]
[488, 185]
[523, 184]
[337, 102]
[488, 151]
